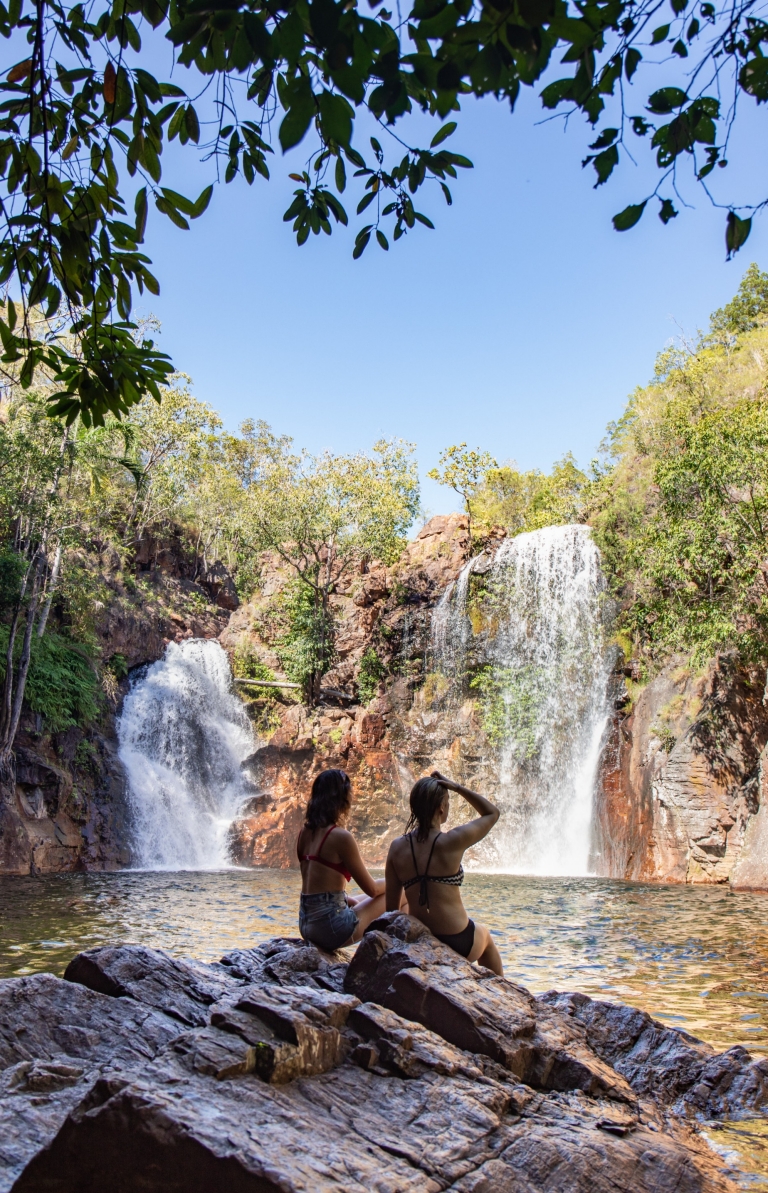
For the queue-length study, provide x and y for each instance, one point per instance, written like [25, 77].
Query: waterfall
[182, 736]
[527, 641]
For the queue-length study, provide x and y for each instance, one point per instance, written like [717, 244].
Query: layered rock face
[405, 1071]
[683, 778]
[385, 745]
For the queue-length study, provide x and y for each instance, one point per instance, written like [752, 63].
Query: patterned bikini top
[446, 879]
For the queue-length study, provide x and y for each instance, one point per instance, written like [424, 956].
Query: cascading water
[528, 642]
[183, 734]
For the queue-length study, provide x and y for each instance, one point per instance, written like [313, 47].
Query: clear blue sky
[520, 325]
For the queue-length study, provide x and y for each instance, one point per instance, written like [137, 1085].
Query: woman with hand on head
[426, 864]
[329, 858]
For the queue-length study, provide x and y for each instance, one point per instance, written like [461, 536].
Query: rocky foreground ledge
[405, 1071]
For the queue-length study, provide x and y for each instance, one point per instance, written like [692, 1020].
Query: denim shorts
[326, 920]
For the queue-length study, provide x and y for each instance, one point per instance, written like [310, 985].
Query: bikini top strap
[423, 878]
[325, 838]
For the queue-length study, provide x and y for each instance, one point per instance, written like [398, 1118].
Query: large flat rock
[258, 1073]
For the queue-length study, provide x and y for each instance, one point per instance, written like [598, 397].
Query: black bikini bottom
[460, 942]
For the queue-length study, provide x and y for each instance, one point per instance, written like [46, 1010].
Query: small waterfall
[527, 641]
[183, 734]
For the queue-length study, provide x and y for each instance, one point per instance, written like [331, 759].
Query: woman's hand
[442, 779]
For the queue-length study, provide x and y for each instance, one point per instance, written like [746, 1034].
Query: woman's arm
[394, 886]
[487, 814]
[350, 857]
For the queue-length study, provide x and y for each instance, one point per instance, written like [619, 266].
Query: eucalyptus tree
[83, 126]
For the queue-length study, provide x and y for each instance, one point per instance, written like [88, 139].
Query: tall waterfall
[524, 636]
[183, 734]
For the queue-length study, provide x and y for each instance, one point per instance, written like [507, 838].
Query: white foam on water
[182, 735]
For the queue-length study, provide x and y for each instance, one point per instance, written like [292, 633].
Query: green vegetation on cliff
[681, 510]
[679, 501]
[83, 509]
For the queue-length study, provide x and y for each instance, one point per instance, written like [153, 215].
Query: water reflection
[695, 957]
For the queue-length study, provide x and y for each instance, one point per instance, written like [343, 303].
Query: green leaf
[606, 138]
[361, 242]
[632, 60]
[201, 203]
[382, 239]
[442, 134]
[605, 163]
[666, 100]
[753, 78]
[341, 174]
[300, 108]
[336, 116]
[667, 211]
[736, 233]
[659, 34]
[629, 216]
[140, 208]
[192, 124]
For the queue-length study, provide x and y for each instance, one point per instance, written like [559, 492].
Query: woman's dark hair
[426, 797]
[330, 798]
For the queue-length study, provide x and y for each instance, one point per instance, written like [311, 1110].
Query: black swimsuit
[460, 942]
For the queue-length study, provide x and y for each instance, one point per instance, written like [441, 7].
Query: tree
[464, 470]
[80, 112]
[530, 500]
[681, 512]
[745, 309]
[44, 469]
[322, 515]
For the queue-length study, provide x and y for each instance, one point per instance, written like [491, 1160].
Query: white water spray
[183, 734]
[540, 667]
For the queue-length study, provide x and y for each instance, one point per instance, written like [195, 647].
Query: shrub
[369, 675]
[62, 684]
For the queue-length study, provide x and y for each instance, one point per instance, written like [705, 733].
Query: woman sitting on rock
[431, 859]
[329, 858]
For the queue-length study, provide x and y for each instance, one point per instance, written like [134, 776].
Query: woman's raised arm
[469, 834]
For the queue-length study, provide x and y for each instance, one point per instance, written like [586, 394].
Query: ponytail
[426, 797]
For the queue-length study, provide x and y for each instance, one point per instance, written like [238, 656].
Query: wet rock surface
[424, 1074]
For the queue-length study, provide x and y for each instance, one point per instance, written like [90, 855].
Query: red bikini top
[315, 857]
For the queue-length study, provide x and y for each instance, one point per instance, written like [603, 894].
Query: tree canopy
[83, 125]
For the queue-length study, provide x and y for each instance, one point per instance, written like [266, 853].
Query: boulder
[665, 1063]
[403, 967]
[256, 1074]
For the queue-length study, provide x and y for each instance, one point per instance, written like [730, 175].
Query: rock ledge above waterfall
[405, 1070]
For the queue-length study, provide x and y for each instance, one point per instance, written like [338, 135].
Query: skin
[446, 913]
[341, 847]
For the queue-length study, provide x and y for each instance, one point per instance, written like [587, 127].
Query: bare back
[444, 912]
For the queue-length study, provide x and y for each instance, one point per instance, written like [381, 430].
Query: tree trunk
[52, 583]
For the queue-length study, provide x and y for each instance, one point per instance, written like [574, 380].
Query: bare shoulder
[396, 846]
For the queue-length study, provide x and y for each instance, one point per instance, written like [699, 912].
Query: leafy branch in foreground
[79, 112]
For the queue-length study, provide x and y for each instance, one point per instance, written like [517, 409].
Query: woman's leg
[484, 951]
[367, 910]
